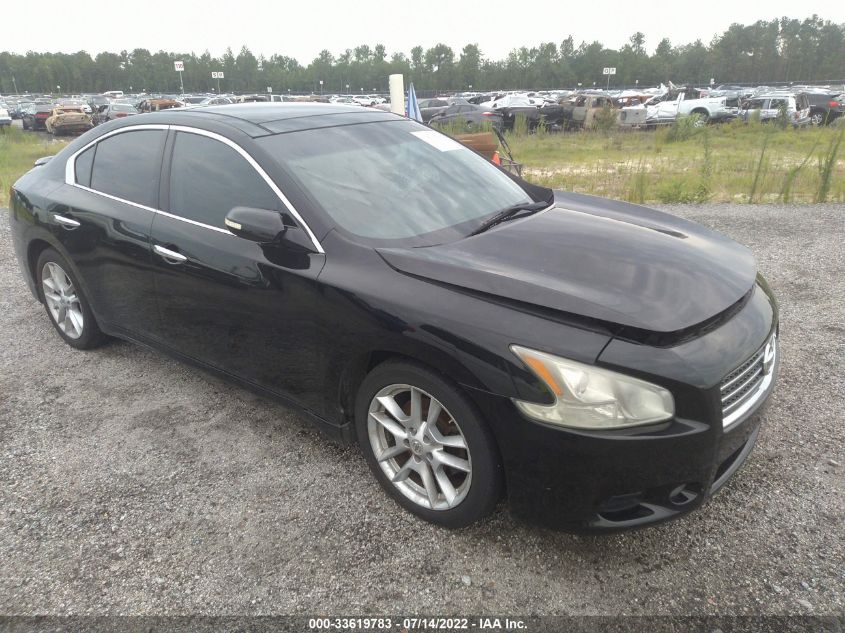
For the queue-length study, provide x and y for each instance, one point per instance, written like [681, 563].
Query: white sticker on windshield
[438, 140]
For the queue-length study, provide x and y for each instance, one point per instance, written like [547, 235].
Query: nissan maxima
[599, 364]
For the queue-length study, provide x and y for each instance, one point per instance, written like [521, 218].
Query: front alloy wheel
[420, 447]
[427, 445]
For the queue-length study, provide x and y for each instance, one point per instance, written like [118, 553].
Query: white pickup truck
[667, 107]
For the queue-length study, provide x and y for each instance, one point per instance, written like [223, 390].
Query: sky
[302, 28]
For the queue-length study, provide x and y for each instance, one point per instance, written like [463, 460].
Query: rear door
[102, 217]
[236, 305]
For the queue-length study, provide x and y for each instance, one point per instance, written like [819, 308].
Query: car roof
[264, 112]
[262, 119]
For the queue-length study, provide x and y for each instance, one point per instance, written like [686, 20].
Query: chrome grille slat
[758, 369]
[748, 365]
[743, 386]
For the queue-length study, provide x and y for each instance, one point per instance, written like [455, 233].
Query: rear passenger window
[128, 165]
[84, 164]
[208, 179]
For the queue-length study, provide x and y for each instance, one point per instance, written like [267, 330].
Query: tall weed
[827, 163]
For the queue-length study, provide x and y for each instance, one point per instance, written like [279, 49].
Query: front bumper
[599, 481]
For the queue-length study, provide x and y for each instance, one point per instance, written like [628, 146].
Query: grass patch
[18, 151]
[733, 162]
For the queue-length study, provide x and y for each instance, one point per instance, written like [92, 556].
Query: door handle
[68, 223]
[171, 257]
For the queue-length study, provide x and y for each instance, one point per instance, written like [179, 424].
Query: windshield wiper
[510, 213]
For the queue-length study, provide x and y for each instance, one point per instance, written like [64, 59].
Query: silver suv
[769, 105]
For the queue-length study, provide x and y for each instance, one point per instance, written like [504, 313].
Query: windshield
[395, 182]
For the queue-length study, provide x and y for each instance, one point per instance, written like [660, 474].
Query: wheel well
[36, 247]
[700, 111]
[357, 370]
[355, 373]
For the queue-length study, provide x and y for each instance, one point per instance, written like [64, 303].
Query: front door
[236, 305]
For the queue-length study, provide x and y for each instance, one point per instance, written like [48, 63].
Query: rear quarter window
[84, 166]
[128, 165]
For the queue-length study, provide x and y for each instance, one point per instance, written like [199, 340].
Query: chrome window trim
[70, 165]
[70, 176]
[249, 159]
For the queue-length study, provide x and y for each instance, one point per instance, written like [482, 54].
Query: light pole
[15, 84]
[347, 88]
[321, 87]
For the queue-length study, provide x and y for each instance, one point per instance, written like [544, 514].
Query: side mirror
[257, 225]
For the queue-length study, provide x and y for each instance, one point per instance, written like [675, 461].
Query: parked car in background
[471, 116]
[673, 102]
[96, 101]
[587, 108]
[76, 103]
[825, 107]
[5, 117]
[18, 110]
[795, 108]
[68, 120]
[216, 101]
[154, 105]
[114, 111]
[430, 107]
[36, 117]
[512, 105]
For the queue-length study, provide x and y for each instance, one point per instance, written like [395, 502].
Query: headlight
[589, 397]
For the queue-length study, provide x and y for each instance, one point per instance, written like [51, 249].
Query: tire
[703, 119]
[81, 331]
[817, 119]
[474, 494]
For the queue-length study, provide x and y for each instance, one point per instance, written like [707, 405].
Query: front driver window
[209, 178]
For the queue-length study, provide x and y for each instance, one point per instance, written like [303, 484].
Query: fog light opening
[683, 494]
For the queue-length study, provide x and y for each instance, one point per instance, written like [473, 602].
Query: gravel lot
[132, 484]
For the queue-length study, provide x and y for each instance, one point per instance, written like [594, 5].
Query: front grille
[741, 388]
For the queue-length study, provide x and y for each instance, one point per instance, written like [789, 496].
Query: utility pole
[15, 84]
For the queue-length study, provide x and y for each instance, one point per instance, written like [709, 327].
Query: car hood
[601, 259]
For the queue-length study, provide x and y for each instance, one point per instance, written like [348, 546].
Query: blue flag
[412, 108]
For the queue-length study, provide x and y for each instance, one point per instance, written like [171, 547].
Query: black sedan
[825, 107]
[35, 116]
[599, 363]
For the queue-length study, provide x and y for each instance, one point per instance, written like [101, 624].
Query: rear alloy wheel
[65, 303]
[817, 118]
[62, 301]
[427, 446]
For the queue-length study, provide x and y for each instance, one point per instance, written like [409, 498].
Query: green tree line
[778, 50]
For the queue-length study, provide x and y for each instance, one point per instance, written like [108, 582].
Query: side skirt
[341, 434]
